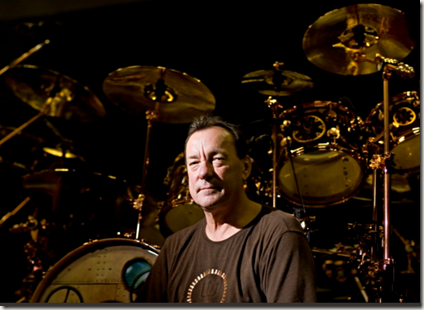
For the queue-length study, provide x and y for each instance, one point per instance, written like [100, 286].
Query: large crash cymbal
[66, 97]
[340, 40]
[176, 96]
[278, 83]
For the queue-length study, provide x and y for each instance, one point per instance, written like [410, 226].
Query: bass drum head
[322, 177]
[108, 270]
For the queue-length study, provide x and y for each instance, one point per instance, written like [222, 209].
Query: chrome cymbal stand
[385, 265]
[151, 116]
[273, 104]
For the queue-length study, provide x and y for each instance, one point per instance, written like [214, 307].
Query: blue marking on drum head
[135, 273]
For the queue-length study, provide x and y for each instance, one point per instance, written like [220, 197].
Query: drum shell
[404, 132]
[96, 272]
[321, 155]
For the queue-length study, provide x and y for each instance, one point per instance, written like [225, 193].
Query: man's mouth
[208, 188]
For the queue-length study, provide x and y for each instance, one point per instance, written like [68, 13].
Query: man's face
[215, 173]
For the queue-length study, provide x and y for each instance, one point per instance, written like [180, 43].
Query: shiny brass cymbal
[176, 96]
[66, 97]
[278, 83]
[341, 40]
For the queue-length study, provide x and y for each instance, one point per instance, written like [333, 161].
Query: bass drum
[108, 270]
[404, 120]
[320, 163]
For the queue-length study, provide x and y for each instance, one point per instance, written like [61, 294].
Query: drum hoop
[302, 151]
[394, 143]
[318, 104]
[81, 251]
[408, 136]
[413, 95]
[319, 206]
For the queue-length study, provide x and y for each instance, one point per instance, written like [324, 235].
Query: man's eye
[193, 163]
[218, 159]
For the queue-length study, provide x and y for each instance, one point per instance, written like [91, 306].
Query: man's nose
[206, 170]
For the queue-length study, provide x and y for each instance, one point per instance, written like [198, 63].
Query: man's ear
[247, 167]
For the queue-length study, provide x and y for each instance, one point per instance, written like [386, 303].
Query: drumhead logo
[210, 286]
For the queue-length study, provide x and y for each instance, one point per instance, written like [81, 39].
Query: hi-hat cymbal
[66, 97]
[278, 83]
[176, 96]
[340, 40]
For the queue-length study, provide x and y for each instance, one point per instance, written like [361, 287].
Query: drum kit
[320, 153]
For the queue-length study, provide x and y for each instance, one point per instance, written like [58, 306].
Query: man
[241, 251]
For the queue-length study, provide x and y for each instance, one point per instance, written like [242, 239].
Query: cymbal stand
[24, 56]
[273, 104]
[383, 162]
[151, 116]
[27, 123]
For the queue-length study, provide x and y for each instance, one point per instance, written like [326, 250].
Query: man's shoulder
[278, 221]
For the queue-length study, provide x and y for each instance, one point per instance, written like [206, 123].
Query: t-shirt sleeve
[155, 287]
[289, 270]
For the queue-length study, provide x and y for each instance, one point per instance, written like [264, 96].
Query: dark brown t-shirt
[269, 260]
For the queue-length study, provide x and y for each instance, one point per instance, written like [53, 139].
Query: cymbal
[339, 41]
[176, 96]
[278, 83]
[66, 97]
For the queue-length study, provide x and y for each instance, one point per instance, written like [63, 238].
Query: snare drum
[404, 123]
[108, 270]
[320, 162]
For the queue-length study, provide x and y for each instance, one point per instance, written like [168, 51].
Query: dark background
[215, 42]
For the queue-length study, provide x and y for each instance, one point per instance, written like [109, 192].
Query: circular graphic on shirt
[209, 286]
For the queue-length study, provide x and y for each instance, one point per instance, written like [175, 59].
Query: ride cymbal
[345, 41]
[176, 96]
[66, 97]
